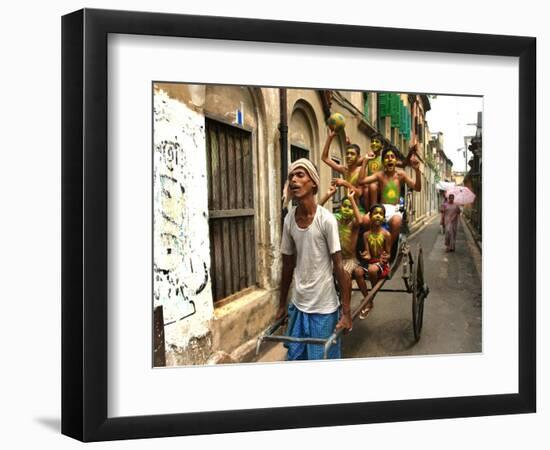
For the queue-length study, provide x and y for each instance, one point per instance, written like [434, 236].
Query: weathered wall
[194, 327]
[200, 328]
[301, 131]
[181, 242]
[305, 111]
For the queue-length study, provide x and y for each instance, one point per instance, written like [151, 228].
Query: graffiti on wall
[181, 241]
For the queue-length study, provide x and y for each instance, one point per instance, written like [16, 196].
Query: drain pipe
[283, 138]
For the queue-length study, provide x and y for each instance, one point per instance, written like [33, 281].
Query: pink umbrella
[463, 195]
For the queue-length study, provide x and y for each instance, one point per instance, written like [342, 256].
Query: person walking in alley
[310, 248]
[451, 213]
[442, 220]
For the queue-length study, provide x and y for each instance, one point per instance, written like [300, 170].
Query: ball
[336, 122]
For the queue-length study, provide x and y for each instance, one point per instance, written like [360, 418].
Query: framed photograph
[239, 195]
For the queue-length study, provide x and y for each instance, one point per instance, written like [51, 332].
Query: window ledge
[239, 300]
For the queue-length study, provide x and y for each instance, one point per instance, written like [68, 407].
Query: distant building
[472, 180]
[458, 178]
[443, 165]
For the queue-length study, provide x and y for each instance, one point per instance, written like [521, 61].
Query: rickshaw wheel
[418, 295]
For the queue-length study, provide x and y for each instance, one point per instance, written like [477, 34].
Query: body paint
[374, 165]
[390, 193]
[376, 244]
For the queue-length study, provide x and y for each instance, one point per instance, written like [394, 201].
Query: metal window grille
[231, 209]
[338, 195]
[298, 152]
[295, 154]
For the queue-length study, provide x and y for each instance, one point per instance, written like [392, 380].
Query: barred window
[231, 209]
[338, 195]
[298, 152]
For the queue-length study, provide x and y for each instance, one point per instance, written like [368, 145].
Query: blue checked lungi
[306, 325]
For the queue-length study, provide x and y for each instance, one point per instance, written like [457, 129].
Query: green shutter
[395, 110]
[383, 107]
[391, 105]
[406, 123]
[388, 105]
[403, 120]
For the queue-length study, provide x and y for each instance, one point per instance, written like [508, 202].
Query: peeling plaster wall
[301, 132]
[270, 172]
[181, 237]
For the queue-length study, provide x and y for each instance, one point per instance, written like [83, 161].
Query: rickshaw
[401, 259]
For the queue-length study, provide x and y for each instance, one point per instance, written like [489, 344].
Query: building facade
[220, 159]
[472, 180]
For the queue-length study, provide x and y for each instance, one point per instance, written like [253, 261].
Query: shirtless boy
[374, 164]
[377, 251]
[349, 220]
[390, 181]
[351, 170]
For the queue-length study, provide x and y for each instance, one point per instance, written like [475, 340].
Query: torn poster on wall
[181, 238]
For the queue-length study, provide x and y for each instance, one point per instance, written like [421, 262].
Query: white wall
[30, 186]
[181, 282]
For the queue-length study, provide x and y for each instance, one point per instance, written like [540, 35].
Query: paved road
[452, 311]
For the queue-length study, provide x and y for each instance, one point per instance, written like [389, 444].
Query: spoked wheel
[419, 293]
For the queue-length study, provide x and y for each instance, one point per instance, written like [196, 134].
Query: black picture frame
[84, 224]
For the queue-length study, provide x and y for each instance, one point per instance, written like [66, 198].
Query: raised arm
[413, 151]
[364, 159]
[328, 194]
[370, 179]
[340, 182]
[356, 212]
[289, 262]
[415, 185]
[325, 156]
[363, 169]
